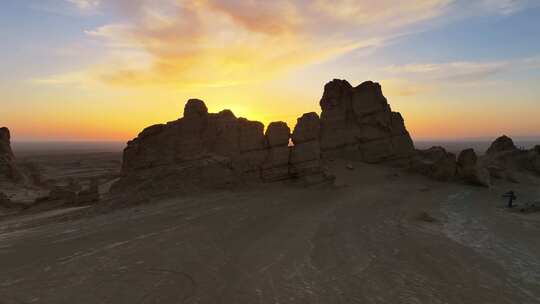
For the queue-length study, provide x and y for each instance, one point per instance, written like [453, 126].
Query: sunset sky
[105, 69]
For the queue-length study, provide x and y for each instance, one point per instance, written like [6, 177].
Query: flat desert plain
[376, 235]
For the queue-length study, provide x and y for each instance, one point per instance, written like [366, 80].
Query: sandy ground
[361, 241]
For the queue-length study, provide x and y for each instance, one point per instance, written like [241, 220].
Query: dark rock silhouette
[218, 150]
[502, 144]
[305, 161]
[276, 165]
[5, 142]
[470, 171]
[8, 168]
[441, 165]
[436, 163]
[204, 149]
[357, 122]
[505, 161]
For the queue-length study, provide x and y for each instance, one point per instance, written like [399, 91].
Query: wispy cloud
[217, 42]
[228, 42]
[85, 5]
[507, 7]
[450, 71]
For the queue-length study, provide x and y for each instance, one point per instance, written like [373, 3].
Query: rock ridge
[204, 149]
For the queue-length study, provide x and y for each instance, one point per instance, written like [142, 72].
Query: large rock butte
[207, 150]
[204, 149]
[357, 122]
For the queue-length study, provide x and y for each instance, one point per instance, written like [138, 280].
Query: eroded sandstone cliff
[204, 149]
[357, 122]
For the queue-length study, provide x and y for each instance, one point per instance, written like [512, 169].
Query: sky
[106, 69]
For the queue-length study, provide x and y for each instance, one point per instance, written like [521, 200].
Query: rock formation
[502, 144]
[8, 169]
[207, 150]
[276, 164]
[215, 150]
[305, 161]
[441, 165]
[72, 194]
[203, 149]
[505, 161]
[435, 163]
[470, 171]
[357, 122]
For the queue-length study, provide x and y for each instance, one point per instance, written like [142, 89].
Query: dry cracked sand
[378, 236]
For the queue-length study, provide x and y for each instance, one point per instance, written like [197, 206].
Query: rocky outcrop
[441, 165]
[305, 161]
[207, 150]
[276, 165]
[5, 142]
[357, 122]
[8, 168]
[214, 150]
[72, 194]
[470, 171]
[435, 163]
[505, 161]
[502, 144]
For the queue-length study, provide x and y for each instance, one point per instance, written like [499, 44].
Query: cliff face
[204, 149]
[358, 122]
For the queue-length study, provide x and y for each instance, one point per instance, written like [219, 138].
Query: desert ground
[376, 235]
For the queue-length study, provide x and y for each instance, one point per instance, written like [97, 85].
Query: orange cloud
[209, 43]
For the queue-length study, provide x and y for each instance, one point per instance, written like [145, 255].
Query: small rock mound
[470, 171]
[502, 144]
[435, 163]
[72, 194]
